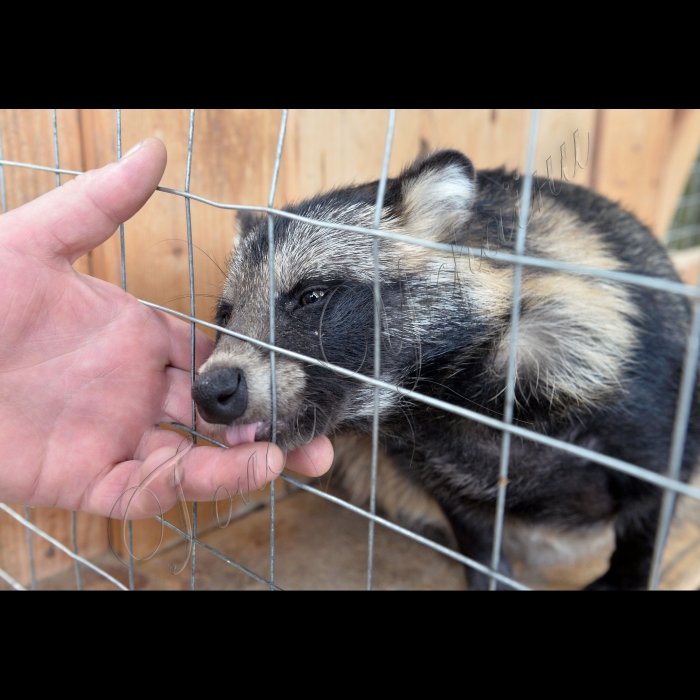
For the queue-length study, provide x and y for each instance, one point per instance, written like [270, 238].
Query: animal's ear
[246, 221]
[437, 193]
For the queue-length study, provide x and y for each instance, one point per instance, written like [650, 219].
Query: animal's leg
[399, 499]
[475, 540]
[630, 563]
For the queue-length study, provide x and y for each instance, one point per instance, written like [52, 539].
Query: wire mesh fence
[683, 232]
[685, 229]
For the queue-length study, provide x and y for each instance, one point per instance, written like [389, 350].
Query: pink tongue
[238, 434]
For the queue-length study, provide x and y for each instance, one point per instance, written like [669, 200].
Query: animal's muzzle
[221, 395]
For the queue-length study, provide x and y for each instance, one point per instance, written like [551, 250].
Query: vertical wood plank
[490, 137]
[233, 160]
[27, 136]
[493, 138]
[333, 148]
[556, 141]
[682, 154]
[637, 157]
[631, 153]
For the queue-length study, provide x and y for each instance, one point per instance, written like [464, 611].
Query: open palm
[87, 372]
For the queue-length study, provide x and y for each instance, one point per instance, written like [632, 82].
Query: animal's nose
[221, 395]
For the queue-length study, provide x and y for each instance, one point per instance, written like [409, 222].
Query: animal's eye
[223, 315]
[311, 296]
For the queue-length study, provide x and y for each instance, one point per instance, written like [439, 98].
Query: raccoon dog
[598, 362]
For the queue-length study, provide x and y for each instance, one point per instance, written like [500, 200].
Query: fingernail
[133, 149]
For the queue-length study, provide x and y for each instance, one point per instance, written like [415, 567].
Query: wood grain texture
[630, 158]
[232, 161]
[324, 546]
[683, 151]
[566, 136]
[638, 157]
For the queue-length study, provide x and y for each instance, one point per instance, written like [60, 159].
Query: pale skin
[87, 372]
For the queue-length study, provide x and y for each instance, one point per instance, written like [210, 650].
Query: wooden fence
[640, 158]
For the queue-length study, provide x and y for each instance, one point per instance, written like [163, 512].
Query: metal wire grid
[684, 231]
[670, 482]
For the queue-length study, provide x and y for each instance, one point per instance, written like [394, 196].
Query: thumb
[80, 215]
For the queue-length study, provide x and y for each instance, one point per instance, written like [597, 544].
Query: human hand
[87, 372]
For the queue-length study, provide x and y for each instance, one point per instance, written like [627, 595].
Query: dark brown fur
[598, 362]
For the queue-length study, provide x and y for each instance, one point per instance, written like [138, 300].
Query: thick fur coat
[598, 362]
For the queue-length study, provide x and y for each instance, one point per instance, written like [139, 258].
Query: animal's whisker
[583, 370]
[196, 247]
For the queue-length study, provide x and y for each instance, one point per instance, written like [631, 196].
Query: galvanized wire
[597, 457]
[30, 549]
[472, 563]
[375, 518]
[514, 323]
[74, 542]
[122, 257]
[670, 481]
[193, 330]
[377, 344]
[273, 366]
[680, 430]
[12, 581]
[55, 146]
[30, 526]
[216, 552]
[632, 278]
[684, 231]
